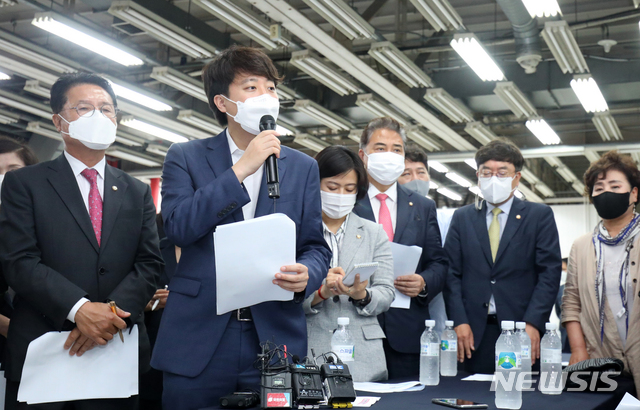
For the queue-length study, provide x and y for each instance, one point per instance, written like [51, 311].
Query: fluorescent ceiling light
[180, 81]
[200, 120]
[440, 14]
[129, 139]
[324, 73]
[606, 126]
[449, 194]
[515, 99]
[313, 143]
[591, 155]
[322, 115]
[139, 98]
[542, 8]
[433, 184]
[469, 48]
[472, 163]
[4, 76]
[420, 137]
[561, 169]
[4, 3]
[399, 64]
[152, 130]
[8, 118]
[25, 70]
[380, 108]
[355, 135]
[286, 93]
[458, 179]
[61, 27]
[534, 181]
[588, 93]
[476, 190]
[155, 149]
[46, 131]
[564, 47]
[518, 194]
[33, 57]
[132, 156]
[162, 29]
[528, 194]
[438, 166]
[244, 20]
[284, 130]
[543, 131]
[34, 87]
[344, 18]
[449, 106]
[480, 132]
[19, 103]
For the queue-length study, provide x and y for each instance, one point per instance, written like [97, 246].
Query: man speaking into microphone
[222, 180]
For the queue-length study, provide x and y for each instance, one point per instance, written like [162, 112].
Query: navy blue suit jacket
[525, 277]
[416, 224]
[199, 192]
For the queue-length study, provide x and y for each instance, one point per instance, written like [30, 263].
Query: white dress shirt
[251, 183]
[85, 186]
[502, 219]
[391, 201]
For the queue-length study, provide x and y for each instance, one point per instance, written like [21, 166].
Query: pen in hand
[112, 304]
[155, 304]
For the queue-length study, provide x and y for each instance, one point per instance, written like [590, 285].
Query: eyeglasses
[487, 173]
[86, 109]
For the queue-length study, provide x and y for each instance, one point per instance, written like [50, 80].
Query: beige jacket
[580, 304]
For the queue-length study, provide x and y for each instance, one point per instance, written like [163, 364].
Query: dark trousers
[11, 402]
[231, 369]
[399, 364]
[483, 359]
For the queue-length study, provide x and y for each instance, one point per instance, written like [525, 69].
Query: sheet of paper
[248, 255]
[365, 401]
[3, 389]
[628, 402]
[478, 377]
[405, 262]
[51, 375]
[387, 387]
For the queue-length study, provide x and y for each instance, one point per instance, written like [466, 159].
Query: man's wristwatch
[361, 302]
[424, 292]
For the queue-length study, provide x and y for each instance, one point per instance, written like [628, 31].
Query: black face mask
[610, 205]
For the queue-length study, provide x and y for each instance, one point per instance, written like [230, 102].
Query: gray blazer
[364, 241]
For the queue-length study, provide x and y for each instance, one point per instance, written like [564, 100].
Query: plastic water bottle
[551, 361]
[342, 341]
[449, 351]
[429, 355]
[525, 349]
[508, 363]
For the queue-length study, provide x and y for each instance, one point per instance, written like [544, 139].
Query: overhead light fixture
[591, 155]
[449, 106]
[139, 98]
[469, 48]
[449, 193]
[40, 128]
[129, 139]
[4, 76]
[179, 81]
[399, 64]
[355, 135]
[534, 181]
[564, 47]
[152, 130]
[133, 156]
[438, 166]
[542, 8]
[476, 190]
[162, 29]
[588, 93]
[322, 115]
[480, 132]
[459, 179]
[313, 143]
[472, 163]
[200, 120]
[26, 54]
[420, 137]
[606, 126]
[25, 105]
[528, 194]
[543, 131]
[284, 130]
[343, 18]
[440, 14]
[25, 70]
[286, 93]
[8, 118]
[4, 3]
[97, 43]
[561, 169]
[324, 73]
[155, 149]
[515, 99]
[244, 20]
[34, 87]
[380, 108]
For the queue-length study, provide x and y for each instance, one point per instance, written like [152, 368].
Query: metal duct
[526, 33]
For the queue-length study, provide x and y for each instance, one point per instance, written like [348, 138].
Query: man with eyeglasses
[76, 234]
[504, 261]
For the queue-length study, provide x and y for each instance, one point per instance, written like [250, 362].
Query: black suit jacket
[51, 257]
[416, 224]
[525, 277]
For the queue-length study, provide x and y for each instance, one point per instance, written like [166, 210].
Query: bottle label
[525, 352]
[449, 345]
[508, 360]
[346, 353]
[430, 349]
[551, 356]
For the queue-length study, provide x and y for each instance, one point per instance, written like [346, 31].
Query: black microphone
[267, 122]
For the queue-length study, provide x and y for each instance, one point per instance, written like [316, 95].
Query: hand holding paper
[294, 283]
[405, 263]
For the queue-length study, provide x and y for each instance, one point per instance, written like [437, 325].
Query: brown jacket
[580, 304]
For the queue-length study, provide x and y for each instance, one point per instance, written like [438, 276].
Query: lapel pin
[410, 203]
[115, 188]
[518, 217]
[358, 236]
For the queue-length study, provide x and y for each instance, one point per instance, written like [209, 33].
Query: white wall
[573, 221]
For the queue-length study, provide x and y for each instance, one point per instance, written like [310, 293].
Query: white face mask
[385, 167]
[95, 132]
[335, 206]
[496, 190]
[419, 186]
[253, 109]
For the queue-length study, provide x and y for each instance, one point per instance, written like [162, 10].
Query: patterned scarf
[601, 237]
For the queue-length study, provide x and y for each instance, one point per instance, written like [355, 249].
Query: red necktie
[384, 217]
[95, 202]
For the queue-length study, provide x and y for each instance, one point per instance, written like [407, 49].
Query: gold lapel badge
[518, 217]
[115, 188]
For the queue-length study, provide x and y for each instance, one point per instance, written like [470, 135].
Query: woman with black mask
[598, 308]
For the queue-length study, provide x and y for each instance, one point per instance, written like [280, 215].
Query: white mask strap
[232, 116]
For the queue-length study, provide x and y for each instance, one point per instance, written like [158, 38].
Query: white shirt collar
[78, 166]
[392, 192]
[233, 148]
[506, 207]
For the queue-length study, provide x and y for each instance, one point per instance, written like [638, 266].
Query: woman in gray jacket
[353, 240]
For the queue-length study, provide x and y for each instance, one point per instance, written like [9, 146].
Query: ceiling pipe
[526, 33]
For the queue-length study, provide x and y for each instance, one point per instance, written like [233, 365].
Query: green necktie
[494, 233]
